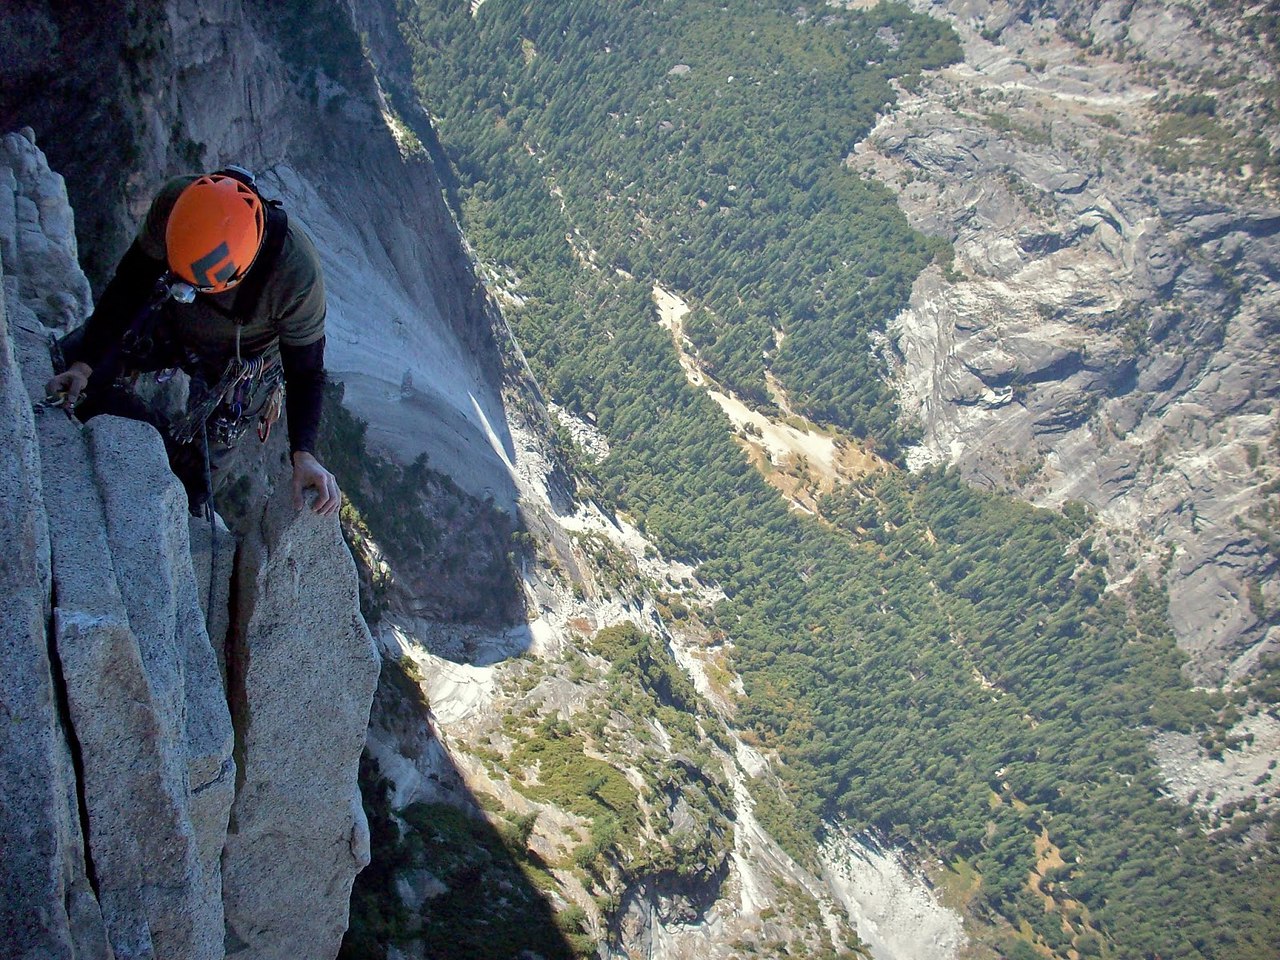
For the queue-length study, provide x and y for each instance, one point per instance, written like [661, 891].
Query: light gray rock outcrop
[130, 724]
[1107, 332]
[147, 523]
[303, 670]
[898, 916]
[143, 712]
[47, 907]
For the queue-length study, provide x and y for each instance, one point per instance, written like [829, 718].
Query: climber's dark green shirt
[290, 310]
[292, 305]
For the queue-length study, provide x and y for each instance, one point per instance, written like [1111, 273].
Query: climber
[222, 284]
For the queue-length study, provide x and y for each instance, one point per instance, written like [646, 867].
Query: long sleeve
[304, 380]
[126, 295]
[134, 282]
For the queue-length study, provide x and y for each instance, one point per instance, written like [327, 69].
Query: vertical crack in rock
[47, 904]
[129, 701]
[236, 657]
[68, 730]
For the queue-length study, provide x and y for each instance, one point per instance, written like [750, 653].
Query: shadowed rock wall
[135, 91]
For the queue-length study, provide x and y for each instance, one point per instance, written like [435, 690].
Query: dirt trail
[799, 462]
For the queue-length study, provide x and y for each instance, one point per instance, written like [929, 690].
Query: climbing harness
[227, 407]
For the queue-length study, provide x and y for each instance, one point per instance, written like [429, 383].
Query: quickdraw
[58, 401]
[223, 406]
[271, 412]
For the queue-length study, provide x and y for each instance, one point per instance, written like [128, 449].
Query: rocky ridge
[1106, 332]
[151, 817]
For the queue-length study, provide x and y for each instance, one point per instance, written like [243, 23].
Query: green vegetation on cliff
[943, 666]
[482, 890]
[633, 764]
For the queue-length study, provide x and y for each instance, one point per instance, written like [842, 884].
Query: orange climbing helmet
[214, 233]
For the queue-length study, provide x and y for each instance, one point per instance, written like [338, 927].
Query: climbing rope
[213, 541]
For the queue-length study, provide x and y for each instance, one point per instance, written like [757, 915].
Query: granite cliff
[180, 743]
[1106, 332]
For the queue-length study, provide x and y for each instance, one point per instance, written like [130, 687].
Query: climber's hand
[69, 384]
[309, 472]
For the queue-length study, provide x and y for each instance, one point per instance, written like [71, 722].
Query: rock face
[47, 907]
[704, 877]
[898, 916]
[302, 688]
[163, 87]
[145, 719]
[118, 741]
[168, 86]
[1108, 332]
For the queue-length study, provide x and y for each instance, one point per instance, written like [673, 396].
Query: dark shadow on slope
[455, 555]
[445, 875]
[379, 27]
[81, 82]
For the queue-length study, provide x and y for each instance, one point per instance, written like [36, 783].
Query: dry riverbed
[803, 461]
